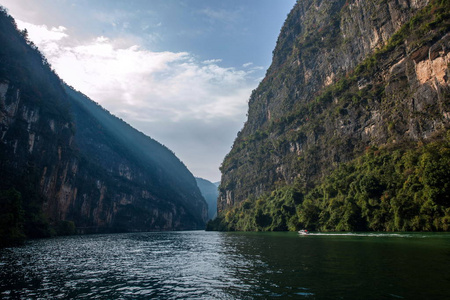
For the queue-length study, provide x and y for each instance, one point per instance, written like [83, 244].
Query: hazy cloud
[222, 15]
[114, 17]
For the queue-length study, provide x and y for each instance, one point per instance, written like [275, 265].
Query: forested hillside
[349, 130]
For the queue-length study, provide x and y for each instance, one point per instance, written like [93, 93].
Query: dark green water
[214, 265]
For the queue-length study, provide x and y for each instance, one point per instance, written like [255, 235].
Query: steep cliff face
[210, 192]
[320, 42]
[346, 75]
[164, 193]
[73, 161]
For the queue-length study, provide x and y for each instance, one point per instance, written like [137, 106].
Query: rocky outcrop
[346, 75]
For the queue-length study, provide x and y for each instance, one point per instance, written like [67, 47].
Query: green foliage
[11, 218]
[383, 190]
[36, 224]
[24, 219]
[401, 190]
[65, 228]
[272, 212]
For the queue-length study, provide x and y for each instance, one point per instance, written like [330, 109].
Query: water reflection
[353, 266]
[212, 265]
[165, 265]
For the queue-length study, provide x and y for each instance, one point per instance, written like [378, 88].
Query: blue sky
[181, 71]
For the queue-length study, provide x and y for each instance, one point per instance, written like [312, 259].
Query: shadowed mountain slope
[67, 164]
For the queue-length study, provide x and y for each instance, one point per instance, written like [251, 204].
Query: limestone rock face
[344, 77]
[320, 42]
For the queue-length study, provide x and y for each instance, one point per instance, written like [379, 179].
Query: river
[222, 265]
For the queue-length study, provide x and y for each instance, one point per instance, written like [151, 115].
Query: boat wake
[365, 234]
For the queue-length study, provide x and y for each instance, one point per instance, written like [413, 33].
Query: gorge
[347, 131]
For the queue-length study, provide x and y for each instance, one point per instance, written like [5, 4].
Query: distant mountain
[350, 128]
[67, 164]
[210, 192]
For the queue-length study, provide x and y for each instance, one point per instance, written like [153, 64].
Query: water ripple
[212, 265]
[140, 265]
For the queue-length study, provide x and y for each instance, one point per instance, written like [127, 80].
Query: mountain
[68, 165]
[210, 192]
[349, 129]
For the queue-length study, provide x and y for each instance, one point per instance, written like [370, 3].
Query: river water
[218, 265]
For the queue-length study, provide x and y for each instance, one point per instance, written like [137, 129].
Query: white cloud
[246, 65]
[153, 90]
[212, 61]
[41, 34]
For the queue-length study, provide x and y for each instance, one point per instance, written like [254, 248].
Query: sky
[180, 71]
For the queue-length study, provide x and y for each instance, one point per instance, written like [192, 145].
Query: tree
[11, 218]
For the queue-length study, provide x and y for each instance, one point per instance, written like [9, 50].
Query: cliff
[346, 77]
[69, 162]
[210, 192]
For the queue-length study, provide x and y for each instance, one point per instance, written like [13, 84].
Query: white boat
[303, 232]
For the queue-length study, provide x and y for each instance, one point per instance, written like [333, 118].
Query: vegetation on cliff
[403, 188]
[275, 176]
